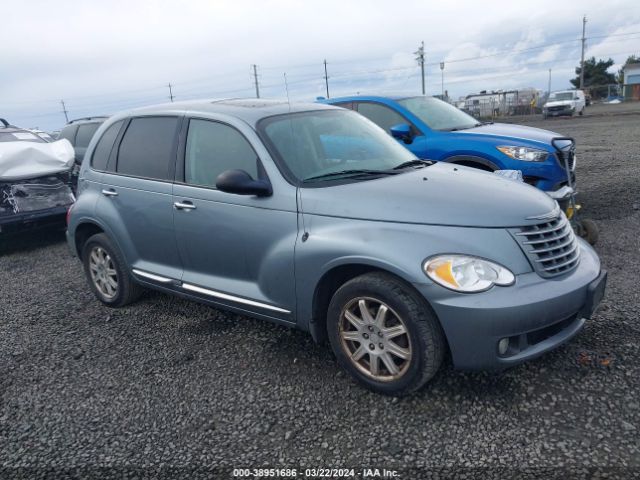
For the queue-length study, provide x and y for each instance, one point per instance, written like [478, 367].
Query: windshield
[323, 142]
[438, 115]
[19, 136]
[558, 96]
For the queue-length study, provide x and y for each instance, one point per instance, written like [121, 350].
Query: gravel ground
[171, 388]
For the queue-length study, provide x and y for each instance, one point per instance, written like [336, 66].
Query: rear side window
[85, 133]
[69, 133]
[103, 149]
[147, 148]
[381, 115]
[213, 148]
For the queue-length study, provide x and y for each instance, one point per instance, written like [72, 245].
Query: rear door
[136, 195]
[237, 250]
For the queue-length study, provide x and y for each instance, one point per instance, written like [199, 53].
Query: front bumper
[536, 314]
[50, 217]
[558, 113]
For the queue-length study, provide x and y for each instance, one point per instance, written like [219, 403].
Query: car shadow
[30, 240]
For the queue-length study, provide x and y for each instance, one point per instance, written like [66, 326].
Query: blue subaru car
[435, 130]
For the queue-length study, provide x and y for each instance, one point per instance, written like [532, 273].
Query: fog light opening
[503, 346]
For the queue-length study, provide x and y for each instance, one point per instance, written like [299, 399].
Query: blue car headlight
[467, 274]
[526, 154]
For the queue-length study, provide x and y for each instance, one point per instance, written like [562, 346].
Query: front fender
[397, 248]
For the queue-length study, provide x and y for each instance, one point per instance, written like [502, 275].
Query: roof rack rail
[86, 118]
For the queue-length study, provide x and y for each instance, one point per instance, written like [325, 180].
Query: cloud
[105, 56]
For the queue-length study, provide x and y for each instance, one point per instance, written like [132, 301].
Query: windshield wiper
[353, 172]
[413, 163]
[455, 129]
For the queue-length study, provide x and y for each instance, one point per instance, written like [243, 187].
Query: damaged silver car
[35, 176]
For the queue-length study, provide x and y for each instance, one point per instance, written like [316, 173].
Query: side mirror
[241, 183]
[402, 132]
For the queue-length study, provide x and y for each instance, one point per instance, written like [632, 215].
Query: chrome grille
[550, 246]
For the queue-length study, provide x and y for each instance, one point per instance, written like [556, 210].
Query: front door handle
[110, 193]
[184, 205]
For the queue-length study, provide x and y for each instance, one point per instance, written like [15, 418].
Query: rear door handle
[110, 193]
[186, 205]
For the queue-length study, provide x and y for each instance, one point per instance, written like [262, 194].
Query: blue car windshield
[438, 115]
[324, 144]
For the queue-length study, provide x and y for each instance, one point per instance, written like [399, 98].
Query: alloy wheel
[375, 339]
[103, 272]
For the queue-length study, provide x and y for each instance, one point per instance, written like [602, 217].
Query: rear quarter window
[85, 134]
[100, 158]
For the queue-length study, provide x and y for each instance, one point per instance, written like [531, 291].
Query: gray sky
[105, 56]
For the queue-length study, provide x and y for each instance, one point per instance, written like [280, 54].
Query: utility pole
[326, 77]
[584, 24]
[442, 71]
[549, 87]
[170, 93]
[64, 110]
[420, 59]
[255, 79]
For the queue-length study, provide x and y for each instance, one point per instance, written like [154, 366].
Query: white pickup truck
[565, 102]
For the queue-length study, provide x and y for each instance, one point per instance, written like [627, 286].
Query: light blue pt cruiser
[311, 216]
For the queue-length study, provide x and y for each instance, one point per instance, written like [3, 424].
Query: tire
[422, 344]
[126, 290]
[581, 112]
[588, 229]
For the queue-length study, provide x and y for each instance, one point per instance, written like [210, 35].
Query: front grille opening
[550, 246]
[519, 343]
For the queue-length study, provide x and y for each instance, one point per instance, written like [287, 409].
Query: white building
[631, 81]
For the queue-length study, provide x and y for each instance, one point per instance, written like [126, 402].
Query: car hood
[558, 103]
[441, 194]
[514, 132]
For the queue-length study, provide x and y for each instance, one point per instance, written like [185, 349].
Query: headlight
[524, 153]
[467, 274]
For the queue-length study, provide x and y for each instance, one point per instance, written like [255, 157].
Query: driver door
[236, 250]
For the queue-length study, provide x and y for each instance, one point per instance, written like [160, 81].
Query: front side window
[381, 115]
[213, 148]
[85, 133]
[326, 142]
[147, 148]
[103, 149]
[439, 115]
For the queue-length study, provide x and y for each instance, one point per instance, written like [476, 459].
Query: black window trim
[115, 150]
[182, 153]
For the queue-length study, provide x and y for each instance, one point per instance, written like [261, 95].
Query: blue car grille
[551, 246]
[570, 153]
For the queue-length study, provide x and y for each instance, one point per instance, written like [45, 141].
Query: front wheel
[384, 334]
[107, 272]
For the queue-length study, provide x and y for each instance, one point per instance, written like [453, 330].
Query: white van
[565, 102]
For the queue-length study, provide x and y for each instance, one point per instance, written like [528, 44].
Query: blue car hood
[441, 194]
[516, 132]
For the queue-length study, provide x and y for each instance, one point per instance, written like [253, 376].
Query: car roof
[251, 110]
[353, 98]
[96, 119]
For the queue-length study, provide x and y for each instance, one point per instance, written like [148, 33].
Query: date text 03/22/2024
[316, 473]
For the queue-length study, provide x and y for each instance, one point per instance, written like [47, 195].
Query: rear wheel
[107, 272]
[384, 334]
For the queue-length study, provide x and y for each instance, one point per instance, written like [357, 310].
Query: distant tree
[596, 77]
[630, 59]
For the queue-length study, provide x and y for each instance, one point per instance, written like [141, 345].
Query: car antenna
[305, 234]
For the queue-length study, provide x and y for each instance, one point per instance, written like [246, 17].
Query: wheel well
[83, 232]
[330, 283]
[474, 164]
